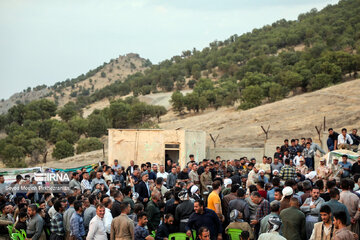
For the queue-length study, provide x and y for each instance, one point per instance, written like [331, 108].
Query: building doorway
[172, 153]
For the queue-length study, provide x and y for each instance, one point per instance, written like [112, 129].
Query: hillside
[293, 117]
[62, 92]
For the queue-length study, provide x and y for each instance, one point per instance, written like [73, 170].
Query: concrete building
[155, 146]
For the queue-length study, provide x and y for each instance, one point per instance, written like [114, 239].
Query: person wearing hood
[195, 193]
[274, 226]
[166, 228]
[183, 210]
[238, 223]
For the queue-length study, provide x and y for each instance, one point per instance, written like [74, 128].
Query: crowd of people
[279, 197]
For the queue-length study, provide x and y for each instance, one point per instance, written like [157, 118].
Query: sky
[43, 42]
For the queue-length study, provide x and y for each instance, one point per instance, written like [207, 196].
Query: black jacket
[115, 209]
[142, 190]
[163, 231]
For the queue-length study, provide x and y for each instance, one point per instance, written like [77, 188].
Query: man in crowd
[90, 212]
[122, 227]
[204, 217]
[352, 203]
[205, 179]
[75, 181]
[287, 172]
[293, 221]
[77, 229]
[324, 229]
[35, 223]
[141, 232]
[346, 166]
[57, 224]
[118, 198]
[263, 209]
[344, 140]
[311, 208]
[332, 139]
[342, 233]
[143, 188]
[194, 176]
[274, 228]
[214, 202]
[240, 204]
[153, 211]
[356, 140]
[68, 214]
[85, 184]
[99, 180]
[171, 180]
[96, 226]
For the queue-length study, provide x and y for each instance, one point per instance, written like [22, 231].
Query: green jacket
[293, 223]
[154, 216]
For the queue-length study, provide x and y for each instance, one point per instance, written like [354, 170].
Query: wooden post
[266, 136]
[318, 130]
[214, 139]
[324, 123]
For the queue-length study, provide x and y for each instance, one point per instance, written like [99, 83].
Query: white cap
[227, 181]
[194, 189]
[261, 171]
[287, 191]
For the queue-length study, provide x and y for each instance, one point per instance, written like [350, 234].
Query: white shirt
[107, 220]
[116, 167]
[52, 211]
[164, 175]
[96, 229]
[344, 140]
[296, 160]
[85, 185]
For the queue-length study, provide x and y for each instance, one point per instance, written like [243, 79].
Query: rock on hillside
[116, 69]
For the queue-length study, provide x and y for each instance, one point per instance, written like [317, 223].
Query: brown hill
[116, 69]
[289, 118]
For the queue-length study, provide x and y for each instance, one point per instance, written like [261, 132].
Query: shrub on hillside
[88, 145]
[63, 149]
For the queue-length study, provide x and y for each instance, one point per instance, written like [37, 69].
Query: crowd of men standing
[279, 197]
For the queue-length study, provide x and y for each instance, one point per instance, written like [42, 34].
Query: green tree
[158, 111]
[14, 156]
[38, 148]
[97, 125]
[320, 81]
[290, 80]
[16, 114]
[119, 112]
[68, 111]
[63, 149]
[68, 135]
[57, 128]
[251, 97]
[88, 145]
[276, 92]
[40, 110]
[78, 125]
[177, 102]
